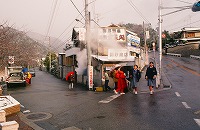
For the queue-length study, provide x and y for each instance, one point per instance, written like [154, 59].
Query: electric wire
[184, 25]
[77, 9]
[137, 10]
[51, 18]
[183, 1]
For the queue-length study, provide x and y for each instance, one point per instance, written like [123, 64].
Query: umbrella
[68, 74]
[116, 67]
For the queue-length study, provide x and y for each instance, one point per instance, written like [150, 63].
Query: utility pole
[145, 44]
[49, 54]
[160, 37]
[87, 28]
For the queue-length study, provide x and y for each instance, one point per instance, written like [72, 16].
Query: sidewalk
[22, 125]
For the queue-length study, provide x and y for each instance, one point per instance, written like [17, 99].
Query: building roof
[72, 51]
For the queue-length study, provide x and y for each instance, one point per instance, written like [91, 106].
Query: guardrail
[173, 54]
[195, 57]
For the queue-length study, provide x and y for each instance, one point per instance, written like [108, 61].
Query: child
[71, 81]
[135, 77]
[150, 76]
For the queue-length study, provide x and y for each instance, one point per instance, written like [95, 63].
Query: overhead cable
[137, 10]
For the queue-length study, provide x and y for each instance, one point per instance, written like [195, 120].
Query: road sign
[11, 59]
[163, 35]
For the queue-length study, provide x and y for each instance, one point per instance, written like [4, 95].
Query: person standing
[135, 77]
[121, 85]
[71, 81]
[106, 77]
[150, 76]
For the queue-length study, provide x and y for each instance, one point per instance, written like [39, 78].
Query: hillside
[56, 44]
[25, 50]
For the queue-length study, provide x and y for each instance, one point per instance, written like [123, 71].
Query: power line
[137, 10]
[185, 25]
[77, 9]
[184, 2]
[51, 18]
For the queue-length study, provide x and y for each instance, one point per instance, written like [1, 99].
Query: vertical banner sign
[82, 32]
[90, 77]
[11, 59]
[147, 35]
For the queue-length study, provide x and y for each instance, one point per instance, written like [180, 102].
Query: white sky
[34, 15]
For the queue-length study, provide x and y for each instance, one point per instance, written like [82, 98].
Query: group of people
[121, 83]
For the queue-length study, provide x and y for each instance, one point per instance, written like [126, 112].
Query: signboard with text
[118, 54]
[90, 77]
[118, 33]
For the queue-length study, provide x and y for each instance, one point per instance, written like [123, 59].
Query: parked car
[32, 72]
[16, 78]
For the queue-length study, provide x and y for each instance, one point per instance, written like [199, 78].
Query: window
[104, 30]
[118, 31]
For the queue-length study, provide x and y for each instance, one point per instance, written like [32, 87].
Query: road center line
[186, 105]
[177, 94]
[109, 99]
[197, 121]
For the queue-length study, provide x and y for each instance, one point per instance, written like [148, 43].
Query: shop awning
[105, 58]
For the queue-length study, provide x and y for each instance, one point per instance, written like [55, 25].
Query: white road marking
[22, 106]
[186, 105]
[109, 99]
[26, 111]
[177, 94]
[197, 121]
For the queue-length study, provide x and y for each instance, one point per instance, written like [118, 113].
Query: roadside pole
[49, 54]
[160, 42]
[89, 67]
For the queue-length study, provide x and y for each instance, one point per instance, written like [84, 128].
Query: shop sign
[90, 77]
[118, 33]
[133, 40]
[118, 54]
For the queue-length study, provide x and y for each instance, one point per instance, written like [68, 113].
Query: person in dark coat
[150, 76]
[135, 77]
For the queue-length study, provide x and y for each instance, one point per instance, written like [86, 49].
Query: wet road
[174, 109]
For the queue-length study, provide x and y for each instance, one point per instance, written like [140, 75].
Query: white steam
[97, 43]
[81, 57]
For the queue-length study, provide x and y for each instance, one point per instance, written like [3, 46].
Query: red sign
[163, 35]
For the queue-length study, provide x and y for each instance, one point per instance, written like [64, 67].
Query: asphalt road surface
[50, 105]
